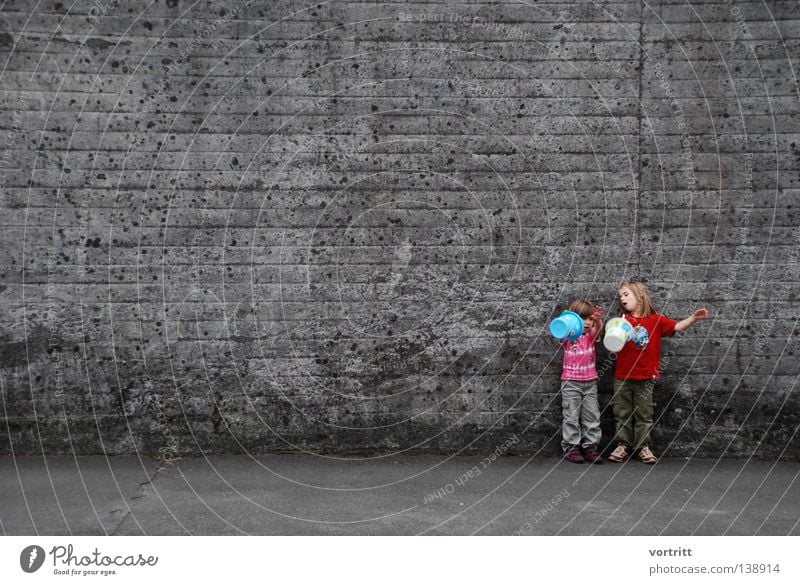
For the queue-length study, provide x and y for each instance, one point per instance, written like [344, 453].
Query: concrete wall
[344, 226]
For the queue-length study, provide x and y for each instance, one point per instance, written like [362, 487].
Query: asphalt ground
[395, 495]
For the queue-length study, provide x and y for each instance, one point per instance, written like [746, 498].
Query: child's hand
[698, 315]
[596, 320]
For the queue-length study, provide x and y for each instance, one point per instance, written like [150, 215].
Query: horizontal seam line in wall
[342, 78]
[722, 211]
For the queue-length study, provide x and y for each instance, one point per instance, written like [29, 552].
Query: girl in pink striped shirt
[581, 412]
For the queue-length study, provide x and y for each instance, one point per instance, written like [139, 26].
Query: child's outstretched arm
[597, 322]
[698, 315]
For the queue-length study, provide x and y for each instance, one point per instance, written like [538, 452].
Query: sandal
[646, 455]
[619, 454]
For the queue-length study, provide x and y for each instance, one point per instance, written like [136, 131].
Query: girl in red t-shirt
[637, 370]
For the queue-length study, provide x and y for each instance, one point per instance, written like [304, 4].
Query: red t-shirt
[635, 364]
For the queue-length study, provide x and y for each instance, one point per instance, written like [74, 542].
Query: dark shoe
[573, 454]
[591, 455]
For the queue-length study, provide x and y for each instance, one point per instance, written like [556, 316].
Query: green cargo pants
[633, 412]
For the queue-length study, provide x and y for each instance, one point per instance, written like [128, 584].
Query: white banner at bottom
[392, 559]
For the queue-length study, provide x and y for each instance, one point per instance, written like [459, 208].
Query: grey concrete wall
[344, 226]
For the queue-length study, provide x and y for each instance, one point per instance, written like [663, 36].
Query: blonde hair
[643, 300]
[583, 307]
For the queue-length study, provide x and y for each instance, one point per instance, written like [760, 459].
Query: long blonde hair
[643, 300]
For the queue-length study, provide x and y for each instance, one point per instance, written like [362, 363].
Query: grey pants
[581, 413]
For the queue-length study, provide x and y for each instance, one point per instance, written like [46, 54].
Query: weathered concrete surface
[261, 226]
[70, 495]
[406, 494]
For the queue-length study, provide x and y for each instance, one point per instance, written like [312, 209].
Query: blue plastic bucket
[567, 327]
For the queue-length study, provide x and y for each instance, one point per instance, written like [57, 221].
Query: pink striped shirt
[579, 359]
